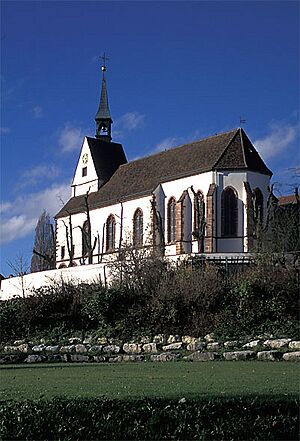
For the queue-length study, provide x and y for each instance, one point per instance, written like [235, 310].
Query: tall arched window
[229, 213]
[199, 211]
[258, 205]
[110, 233]
[138, 228]
[85, 236]
[171, 220]
[199, 219]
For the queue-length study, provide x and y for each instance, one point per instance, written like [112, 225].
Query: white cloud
[128, 122]
[19, 217]
[4, 129]
[37, 112]
[278, 140]
[38, 173]
[70, 138]
[167, 143]
[175, 141]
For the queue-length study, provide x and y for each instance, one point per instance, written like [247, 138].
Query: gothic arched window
[229, 213]
[199, 211]
[110, 233]
[171, 220]
[258, 206]
[85, 236]
[138, 228]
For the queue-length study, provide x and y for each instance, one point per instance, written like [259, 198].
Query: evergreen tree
[43, 257]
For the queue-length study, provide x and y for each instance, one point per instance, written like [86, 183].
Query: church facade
[199, 198]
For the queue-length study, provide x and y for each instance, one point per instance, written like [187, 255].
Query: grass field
[138, 380]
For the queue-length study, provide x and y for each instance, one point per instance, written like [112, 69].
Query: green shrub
[235, 418]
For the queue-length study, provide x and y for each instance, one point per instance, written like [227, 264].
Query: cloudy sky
[177, 71]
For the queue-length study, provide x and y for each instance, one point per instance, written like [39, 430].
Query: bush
[152, 296]
[235, 418]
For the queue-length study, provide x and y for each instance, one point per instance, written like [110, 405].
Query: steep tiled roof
[107, 157]
[287, 200]
[231, 151]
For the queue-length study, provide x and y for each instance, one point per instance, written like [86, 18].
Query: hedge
[209, 418]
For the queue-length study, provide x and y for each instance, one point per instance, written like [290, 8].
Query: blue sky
[177, 71]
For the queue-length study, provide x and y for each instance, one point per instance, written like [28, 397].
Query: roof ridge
[243, 147]
[179, 146]
[224, 151]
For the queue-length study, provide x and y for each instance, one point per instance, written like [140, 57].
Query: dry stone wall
[160, 348]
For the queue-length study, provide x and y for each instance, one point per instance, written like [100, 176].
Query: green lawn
[170, 380]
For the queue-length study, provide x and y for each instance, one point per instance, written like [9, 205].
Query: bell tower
[103, 118]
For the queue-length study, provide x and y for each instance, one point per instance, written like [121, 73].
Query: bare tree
[20, 268]
[86, 231]
[43, 257]
[200, 223]
[69, 239]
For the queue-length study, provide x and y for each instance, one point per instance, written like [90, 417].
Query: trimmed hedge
[215, 418]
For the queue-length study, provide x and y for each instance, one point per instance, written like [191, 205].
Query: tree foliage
[43, 257]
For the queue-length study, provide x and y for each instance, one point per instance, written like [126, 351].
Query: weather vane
[242, 121]
[104, 58]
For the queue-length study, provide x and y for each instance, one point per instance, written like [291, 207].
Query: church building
[193, 199]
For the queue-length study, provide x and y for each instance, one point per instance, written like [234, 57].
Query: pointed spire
[103, 118]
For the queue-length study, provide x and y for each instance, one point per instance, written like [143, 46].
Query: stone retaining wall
[159, 348]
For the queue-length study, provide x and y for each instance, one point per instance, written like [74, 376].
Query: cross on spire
[104, 58]
[103, 118]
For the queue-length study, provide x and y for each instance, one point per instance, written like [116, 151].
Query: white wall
[82, 184]
[22, 286]
[163, 193]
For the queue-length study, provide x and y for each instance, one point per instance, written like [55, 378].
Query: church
[197, 198]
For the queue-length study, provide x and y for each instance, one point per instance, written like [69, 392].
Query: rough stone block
[54, 357]
[54, 348]
[187, 339]
[164, 357]
[69, 349]
[95, 349]
[209, 338]
[231, 344]
[269, 355]
[159, 339]
[294, 344]
[173, 346]
[102, 340]
[132, 348]
[34, 358]
[173, 339]
[74, 340]
[214, 346]
[39, 348]
[80, 349]
[99, 358]
[238, 355]
[202, 356]
[150, 347]
[196, 345]
[128, 357]
[111, 348]
[277, 343]
[291, 356]
[79, 358]
[252, 344]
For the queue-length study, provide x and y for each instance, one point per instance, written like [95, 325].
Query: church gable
[231, 150]
[241, 154]
[85, 176]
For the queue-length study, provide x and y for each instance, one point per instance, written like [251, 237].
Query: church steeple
[103, 118]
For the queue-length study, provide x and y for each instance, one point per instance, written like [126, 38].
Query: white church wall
[81, 184]
[175, 188]
[236, 181]
[23, 286]
[98, 229]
